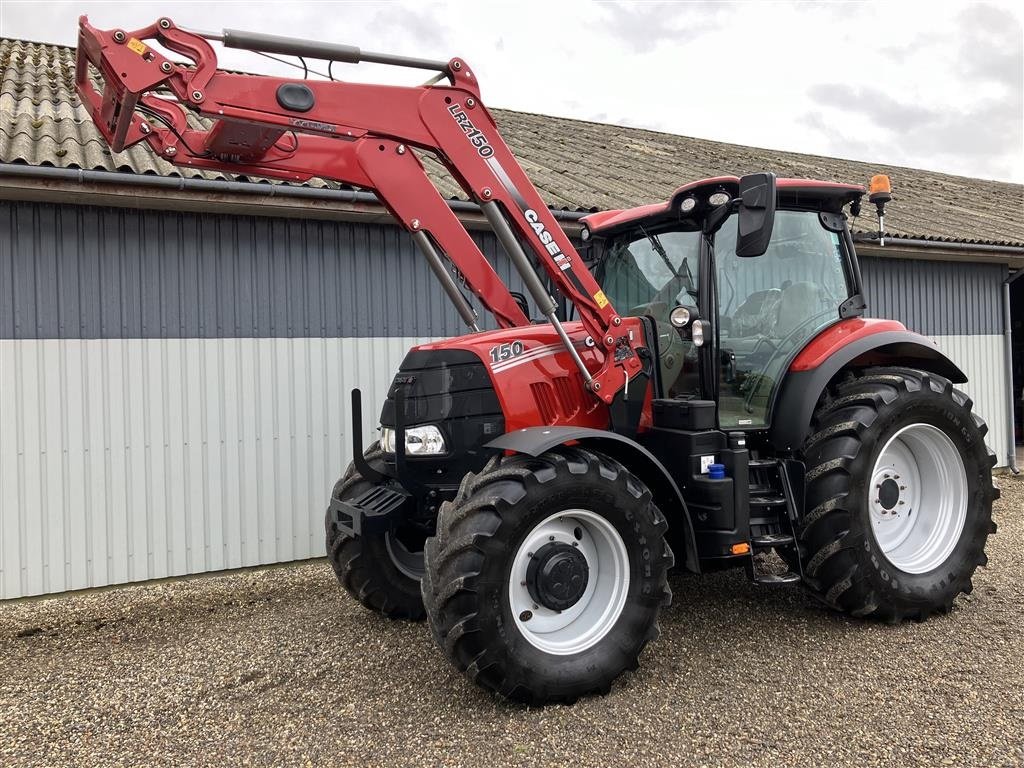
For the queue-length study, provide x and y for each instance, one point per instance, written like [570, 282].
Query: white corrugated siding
[132, 459]
[125, 460]
[981, 358]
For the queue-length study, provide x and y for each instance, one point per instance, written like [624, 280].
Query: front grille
[440, 386]
[451, 389]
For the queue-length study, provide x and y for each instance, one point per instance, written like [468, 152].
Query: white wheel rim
[582, 625]
[918, 498]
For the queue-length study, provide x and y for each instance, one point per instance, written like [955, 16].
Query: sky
[932, 85]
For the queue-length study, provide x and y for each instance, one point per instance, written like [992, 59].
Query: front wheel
[899, 495]
[547, 574]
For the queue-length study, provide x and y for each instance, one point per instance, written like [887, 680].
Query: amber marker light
[743, 548]
[879, 186]
[880, 193]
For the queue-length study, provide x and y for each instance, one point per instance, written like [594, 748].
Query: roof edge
[249, 194]
[257, 191]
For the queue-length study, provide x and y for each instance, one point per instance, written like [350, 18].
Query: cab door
[769, 306]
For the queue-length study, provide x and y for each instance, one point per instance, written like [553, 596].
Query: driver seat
[752, 321]
[758, 314]
[800, 301]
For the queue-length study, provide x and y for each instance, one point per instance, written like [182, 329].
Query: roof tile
[574, 164]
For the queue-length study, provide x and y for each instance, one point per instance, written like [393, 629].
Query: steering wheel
[775, 354]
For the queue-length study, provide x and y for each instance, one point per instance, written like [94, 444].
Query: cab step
[771, 540]
[771, 525]
[776, 579]
[768, 501]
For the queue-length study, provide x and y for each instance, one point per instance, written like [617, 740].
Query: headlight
[719, 198]
[419, 441]
[679, 317]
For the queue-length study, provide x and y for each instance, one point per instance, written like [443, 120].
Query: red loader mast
[362, 135]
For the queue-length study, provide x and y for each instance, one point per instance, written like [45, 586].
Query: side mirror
[757, 214]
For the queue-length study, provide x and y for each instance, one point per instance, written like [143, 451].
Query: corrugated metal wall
[981, 358]
[101, 273]
[131, 459]
[959, 305]
[936, 298]
[174, 387]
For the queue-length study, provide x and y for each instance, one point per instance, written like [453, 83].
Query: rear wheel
[383, 570]
[899, 495]
[547, 574]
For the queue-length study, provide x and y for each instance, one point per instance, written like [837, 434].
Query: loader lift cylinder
[449, 285]
[291, 46]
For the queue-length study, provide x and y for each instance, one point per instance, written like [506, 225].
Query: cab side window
[770, 306]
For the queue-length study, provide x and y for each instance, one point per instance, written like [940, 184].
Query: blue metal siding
[936, 298]
[103, 273]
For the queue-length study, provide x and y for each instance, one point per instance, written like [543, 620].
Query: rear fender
[804, 384]
[534, 441]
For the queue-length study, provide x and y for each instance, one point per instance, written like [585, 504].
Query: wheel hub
[888, 493]
[557, 576]
[569, 581]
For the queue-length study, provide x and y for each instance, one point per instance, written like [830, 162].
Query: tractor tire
[899, 495]
[378, 570]
[546, 575]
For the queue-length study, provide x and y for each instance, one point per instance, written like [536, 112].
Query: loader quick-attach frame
[362, 135]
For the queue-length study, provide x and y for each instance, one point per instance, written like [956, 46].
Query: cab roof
[793, 193]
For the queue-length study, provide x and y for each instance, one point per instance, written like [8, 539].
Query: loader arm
[358, 134]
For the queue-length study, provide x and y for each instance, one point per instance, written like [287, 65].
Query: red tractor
[714, 391]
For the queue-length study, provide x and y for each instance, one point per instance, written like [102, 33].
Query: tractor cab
[727, 324]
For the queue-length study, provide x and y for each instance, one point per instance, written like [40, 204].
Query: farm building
[177, 347]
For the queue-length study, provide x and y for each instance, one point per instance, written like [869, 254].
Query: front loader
[714, 393]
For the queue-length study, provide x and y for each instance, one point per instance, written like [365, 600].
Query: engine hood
[532, 374]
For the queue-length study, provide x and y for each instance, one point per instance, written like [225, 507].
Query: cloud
[423, 23]
[992, 48]
[977, 129]
[642, 26]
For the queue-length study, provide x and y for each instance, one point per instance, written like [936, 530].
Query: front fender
[534, 441]
[804, 384]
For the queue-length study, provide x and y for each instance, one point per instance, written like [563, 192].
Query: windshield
[652, 269]
[770, 306]
[649, 274]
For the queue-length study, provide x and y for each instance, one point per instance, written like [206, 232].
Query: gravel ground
[277, 666]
